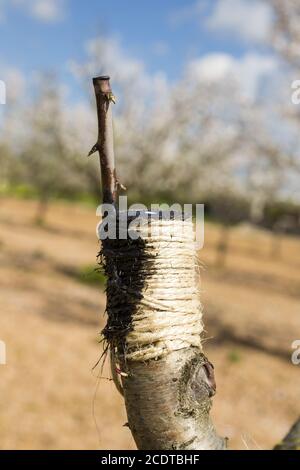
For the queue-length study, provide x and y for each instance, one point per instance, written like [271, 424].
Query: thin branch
[105, 143]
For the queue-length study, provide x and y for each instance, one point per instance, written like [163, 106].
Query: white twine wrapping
[167, 313]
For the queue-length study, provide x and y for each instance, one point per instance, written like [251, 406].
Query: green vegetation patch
[88, 274]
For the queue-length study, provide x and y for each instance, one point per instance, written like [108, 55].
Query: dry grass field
[51, 316]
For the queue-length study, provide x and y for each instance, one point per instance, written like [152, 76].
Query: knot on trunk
[197, 385]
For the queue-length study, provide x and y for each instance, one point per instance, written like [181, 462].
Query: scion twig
[105, 144]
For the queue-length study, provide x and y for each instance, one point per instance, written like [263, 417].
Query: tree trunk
[167, 391]
[168, 402]
[222, 246]
[41, 210]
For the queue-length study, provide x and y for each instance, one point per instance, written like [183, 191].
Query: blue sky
[43, 35]
[33, 42]
[210, 40]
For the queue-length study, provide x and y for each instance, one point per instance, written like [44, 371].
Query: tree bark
[168, 402]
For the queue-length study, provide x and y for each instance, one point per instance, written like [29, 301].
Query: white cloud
[44, 10]
[106, 56]
[249, 72]
[249, 19]
[211, 67]
[47, 10]
[106, 53]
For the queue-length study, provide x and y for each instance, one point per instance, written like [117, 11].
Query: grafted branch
[167, 393]
[105, 145]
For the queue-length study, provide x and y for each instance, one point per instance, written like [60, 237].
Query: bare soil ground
[50, 398]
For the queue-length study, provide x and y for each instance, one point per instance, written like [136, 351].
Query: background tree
[44, 156]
